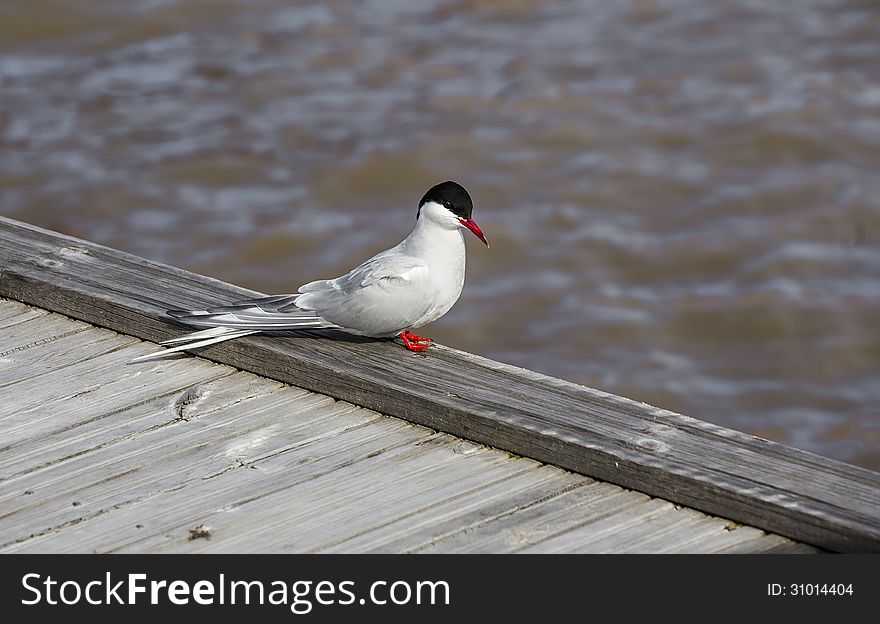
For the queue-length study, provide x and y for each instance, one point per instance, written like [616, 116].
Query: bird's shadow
[332, 334]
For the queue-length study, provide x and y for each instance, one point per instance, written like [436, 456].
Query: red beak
[473, 227]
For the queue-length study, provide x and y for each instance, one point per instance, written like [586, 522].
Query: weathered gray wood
[464, 516]
[38, 330]
[29, 410]
[333, 507]
[227, 490]
[262, 466]
[689, 526]
[518, 529]
[24, 363]
[769, 544]
[180, 453]
[749, 539]
[638, 520]
[811, 498]
[14, 312]
[115, 420]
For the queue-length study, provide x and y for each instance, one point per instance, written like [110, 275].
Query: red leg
[412, 336]
[414, 343]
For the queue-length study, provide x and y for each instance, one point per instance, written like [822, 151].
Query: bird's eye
[448, 204]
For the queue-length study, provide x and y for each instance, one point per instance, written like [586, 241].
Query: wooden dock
[330, 443]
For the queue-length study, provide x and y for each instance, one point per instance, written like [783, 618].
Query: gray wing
[386, 271]
[278, 313]
[381, 297]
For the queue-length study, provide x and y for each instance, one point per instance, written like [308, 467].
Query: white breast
[445, 279]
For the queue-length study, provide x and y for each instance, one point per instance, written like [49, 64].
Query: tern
[394, 292]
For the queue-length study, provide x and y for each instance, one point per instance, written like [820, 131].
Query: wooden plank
[179, 453]
[335, 506]
[619, 520]
[37, 330]
[665, 524]
[116, 420]
[98, 459]
[768, 545]
[60, 399]
[727, 473]
[687, 525]
[158, 511]
[464, 515]
[28, 362]
[513, 530]
[14, 312]
[745, 539]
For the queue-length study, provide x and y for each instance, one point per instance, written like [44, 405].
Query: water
[682, 196]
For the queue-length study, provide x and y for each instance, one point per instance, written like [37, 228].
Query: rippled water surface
[683, 196]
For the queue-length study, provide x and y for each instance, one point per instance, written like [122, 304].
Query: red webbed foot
[413, 342]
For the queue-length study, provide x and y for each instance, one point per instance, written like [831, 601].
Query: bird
[392, 293]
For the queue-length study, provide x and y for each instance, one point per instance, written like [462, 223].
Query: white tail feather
[198, 335]
[195, 341]
[238, 319]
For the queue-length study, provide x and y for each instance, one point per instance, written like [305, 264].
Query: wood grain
[723, 472]
[99, 456]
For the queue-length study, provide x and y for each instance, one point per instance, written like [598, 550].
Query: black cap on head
[451, 195]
